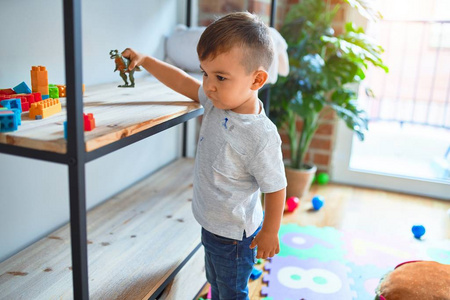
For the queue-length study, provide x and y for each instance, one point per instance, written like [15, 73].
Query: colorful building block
[22, 88]
[37, 97]
[45, 108]
[62, 90]
[89, 122]
[39, 80]
[30, 98]
[12, 103]
[8, 97]
[8, 120]
[65, 129]
[7, 91]
[23, 98]
[53, 91]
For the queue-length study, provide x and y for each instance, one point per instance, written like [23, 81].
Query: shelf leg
[76, 157]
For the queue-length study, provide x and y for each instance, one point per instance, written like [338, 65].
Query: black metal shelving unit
[76, 157]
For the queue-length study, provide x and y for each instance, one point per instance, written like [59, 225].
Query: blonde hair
[239, 29]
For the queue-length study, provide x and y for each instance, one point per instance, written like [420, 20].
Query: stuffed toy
[416, 280]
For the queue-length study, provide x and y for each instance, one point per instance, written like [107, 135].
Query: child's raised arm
[171, 76]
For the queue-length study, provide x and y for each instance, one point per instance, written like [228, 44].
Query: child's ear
[259, 79]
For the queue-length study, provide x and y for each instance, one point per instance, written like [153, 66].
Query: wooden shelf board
[118, 113]
[136, 240]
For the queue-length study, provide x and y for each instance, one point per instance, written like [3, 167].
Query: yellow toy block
[39, 80]
[45, 108]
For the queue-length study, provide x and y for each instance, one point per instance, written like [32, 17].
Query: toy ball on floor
[322, 178]
[317, 202]
[292, 203]
[418, 231]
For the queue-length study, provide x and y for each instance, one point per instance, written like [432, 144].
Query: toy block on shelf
[7, 92]
[12, 103]
[25, 104]
[8, 120]
[61, 90]
[39, 80]
[45, 108]
[26, 99]
[89, 122]
[22, 97]
[37, 97]
[22, 88]
[53, 91]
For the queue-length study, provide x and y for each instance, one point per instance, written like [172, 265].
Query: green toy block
[53, 91]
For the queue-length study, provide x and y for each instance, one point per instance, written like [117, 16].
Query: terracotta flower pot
[299, 181]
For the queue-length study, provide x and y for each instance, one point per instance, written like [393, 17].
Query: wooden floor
[351, 208]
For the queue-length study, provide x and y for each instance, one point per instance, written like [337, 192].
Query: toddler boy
[239, 149]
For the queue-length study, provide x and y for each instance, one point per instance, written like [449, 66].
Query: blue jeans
[228, 265]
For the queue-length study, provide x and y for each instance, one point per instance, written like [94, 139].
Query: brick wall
[322, 145]
[209, 10]
[320, 152]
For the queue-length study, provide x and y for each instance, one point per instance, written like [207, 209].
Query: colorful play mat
[324, 263]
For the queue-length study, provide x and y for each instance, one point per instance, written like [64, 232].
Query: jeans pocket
[222, 240]
[218, 245]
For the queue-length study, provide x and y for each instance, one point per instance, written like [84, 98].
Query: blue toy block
[12, 103]
[45, 97]
[65, 130]
[22, 88]
[8, 120]
[256, 273]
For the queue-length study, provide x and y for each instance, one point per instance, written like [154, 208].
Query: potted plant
[323, 66]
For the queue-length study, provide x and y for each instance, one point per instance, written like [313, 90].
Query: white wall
[34, 197]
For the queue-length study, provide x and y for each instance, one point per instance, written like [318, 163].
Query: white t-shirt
[238, 156]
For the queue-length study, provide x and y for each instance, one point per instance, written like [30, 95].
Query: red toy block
[28, 97]
[89, 122]
[7, 92]
[23, 100]
[37, 97]
[25, 104]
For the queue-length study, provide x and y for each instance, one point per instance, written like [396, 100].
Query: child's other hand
[136, 59]
[267, 243]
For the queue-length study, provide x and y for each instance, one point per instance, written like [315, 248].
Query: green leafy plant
[323, 66]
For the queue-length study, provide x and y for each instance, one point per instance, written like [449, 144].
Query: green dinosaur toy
[122, 64]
